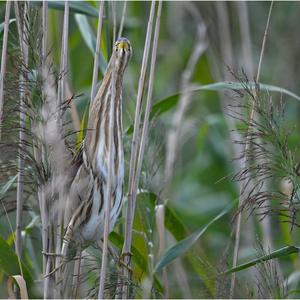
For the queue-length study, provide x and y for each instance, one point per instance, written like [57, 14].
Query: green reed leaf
[89, 38]
[9, 263]
[280, 253]
[162, 106]
[80, 7]
[184, 245]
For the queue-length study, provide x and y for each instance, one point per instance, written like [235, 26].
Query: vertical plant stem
[74, 112]
[98, 47]
[76, 275]
[135, 180]
[3, 59]
[42, 198]
[160, 221]
[114, 15]
[122, 19]
[61, 98]
[173, 135]
[108, 193]
[246, 38]
[138, 109]
[121, 290]
[185, 98]
[247, 145]
[20, 186]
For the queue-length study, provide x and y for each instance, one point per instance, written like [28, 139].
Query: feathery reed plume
[251, 117]
[268, 157]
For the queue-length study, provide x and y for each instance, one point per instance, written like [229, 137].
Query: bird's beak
[123, 46]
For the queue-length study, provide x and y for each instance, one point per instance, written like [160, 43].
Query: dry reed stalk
[184, 101]
[245, 158]
[160, 224]
[133, 185]
[265, 224]
[121, 289]
[122, 19]
[76, 275]
[42, 199]
[114, 17]
[74, 112]
[98, 47]
[174, 132]
[22, 32]
[61, 170]
[246, 38]
[3, 59]
[227, 57]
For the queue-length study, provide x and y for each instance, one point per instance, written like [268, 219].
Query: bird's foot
[127, 263]
[51, 254]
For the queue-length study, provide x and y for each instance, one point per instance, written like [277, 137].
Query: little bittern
[87, 190]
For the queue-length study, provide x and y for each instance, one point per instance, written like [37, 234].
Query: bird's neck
[98, 132]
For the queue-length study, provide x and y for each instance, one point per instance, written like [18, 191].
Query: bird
[84, 214]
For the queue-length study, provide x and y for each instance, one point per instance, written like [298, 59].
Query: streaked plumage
[86, 219]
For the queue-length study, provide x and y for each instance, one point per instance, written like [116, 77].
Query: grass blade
[7, 185]
[9, 263]
[280, 253]
[184, 245]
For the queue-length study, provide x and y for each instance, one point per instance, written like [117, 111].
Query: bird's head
[123, 51]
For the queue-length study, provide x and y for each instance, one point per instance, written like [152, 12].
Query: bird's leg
[118, 258]
[51, 254]
[122, 260]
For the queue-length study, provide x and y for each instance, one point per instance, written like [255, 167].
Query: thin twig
[3, 59]
[61, 98]
[74, 112]
[160, 221]
[97, 53]
[20, 186]
[247, 145]
[114, 15]
[122, 19]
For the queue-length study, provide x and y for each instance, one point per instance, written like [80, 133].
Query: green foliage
[280, 253]
[80, 7]
[184, 245]
[10, 264]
